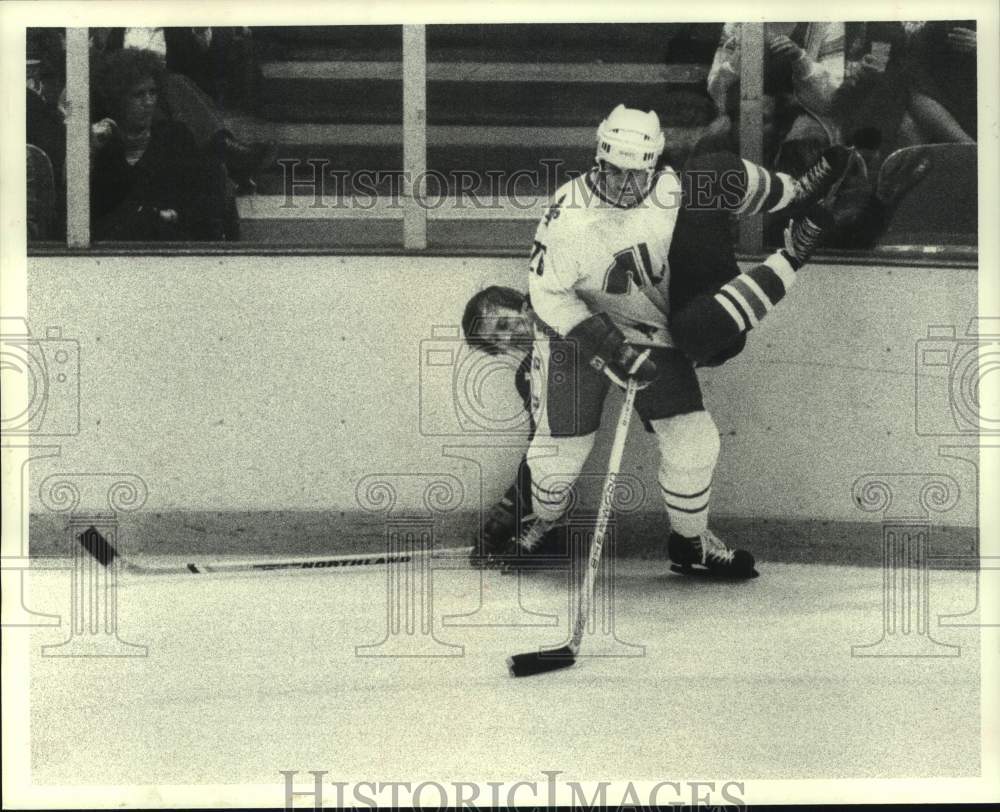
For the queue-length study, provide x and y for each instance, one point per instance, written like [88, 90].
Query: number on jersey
[537, 261]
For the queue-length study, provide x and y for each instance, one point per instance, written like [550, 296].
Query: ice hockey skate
[824, 177]
[497, 539]
[707, 556]
[539, 544]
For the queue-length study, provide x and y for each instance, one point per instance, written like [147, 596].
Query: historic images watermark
[94, 585]
[460, 398]
[415, 558]
[549, 792]
[906, 501]
[459, 386]
[314, 183]
[39, 406]
[410, 538]
[41, 382]
[41, 401]
[951, 402]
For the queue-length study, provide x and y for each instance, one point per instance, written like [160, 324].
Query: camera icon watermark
[951, 375]
[41, 381]
[465, 392]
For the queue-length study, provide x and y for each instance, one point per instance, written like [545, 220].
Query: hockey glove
[609, 352]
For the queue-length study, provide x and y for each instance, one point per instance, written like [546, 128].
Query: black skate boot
[805, 234]
[706, 555]
[825, 176]
[539, 544]
[497, 540]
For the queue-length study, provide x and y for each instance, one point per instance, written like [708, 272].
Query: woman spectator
[184, 96]
[220, 61]
[149, 181]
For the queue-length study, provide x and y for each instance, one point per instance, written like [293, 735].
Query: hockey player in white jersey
[606, 309]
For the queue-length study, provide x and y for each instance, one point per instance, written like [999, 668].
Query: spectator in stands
[804, 67]
[149, 181]
[184, 98]
[41, 196]
[220, 61]
[871, 102]
[45, 131]
[908, 84]
[813, 56]
[942, 108]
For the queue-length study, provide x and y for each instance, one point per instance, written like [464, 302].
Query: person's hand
[101, 132]
[962, 40]
[871, 65]
[783, 48]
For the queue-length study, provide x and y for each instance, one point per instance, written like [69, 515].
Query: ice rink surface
[249, 674]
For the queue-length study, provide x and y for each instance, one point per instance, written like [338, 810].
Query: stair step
[534, 42]
[382, 134]
[464, 208]
[368, 233]
[492, 72]
[438, 135]
[479, 104]
[480, 159]
[481, 94]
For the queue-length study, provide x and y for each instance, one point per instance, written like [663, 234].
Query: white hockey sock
[549, 499]
[686, 495]
[689, 448]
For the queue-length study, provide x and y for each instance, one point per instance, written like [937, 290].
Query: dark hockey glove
[606, 350]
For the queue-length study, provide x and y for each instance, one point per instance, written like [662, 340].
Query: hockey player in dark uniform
[497, 320]
[633, 274]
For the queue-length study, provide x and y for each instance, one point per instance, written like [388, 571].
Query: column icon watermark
[94, 589]
[410, 541]
[906, 502]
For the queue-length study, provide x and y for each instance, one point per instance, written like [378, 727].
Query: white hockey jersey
[590, 256]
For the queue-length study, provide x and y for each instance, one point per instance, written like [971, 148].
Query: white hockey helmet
[630, 139]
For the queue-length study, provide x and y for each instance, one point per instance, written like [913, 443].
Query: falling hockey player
[633, 274]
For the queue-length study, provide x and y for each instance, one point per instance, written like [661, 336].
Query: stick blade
[99, 547]
[710, 575]
[540, 662]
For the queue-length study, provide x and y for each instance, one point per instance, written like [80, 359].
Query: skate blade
[711, 575]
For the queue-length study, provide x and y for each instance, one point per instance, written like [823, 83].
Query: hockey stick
[545, 660]
[105, 552]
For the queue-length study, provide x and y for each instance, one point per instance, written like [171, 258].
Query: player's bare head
[629, 144]
[494, 321]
